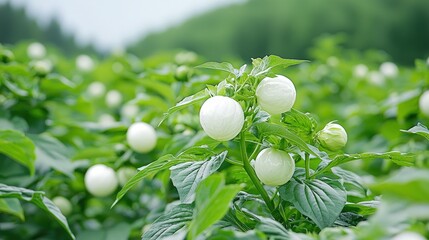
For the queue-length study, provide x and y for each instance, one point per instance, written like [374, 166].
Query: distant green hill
[16, 26]
[289, 27]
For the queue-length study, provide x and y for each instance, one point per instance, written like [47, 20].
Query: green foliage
[288, 28]
[39, 199]
[61, 123]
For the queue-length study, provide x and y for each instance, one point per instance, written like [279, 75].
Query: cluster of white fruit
[222, 119]
[37, 52]
[102, 181]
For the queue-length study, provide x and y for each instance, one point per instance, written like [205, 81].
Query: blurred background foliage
[288, 28]
[257, 28]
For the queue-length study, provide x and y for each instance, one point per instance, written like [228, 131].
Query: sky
[111, 24]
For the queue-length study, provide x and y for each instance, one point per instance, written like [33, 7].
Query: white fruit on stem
[424, 103]
[141, 137]
[360, 71]
[100, 180]
[96, 89]
[113, 98]
[333, 136]
[221, 118]
[36, 50]
[129, 111]
[63, 204]
[276, 95]
[389, 69]
[84, 63]
[125, 173]
[274, 167]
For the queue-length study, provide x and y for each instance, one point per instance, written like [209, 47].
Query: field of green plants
[175, 146]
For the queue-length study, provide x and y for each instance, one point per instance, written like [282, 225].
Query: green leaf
[187, 101]
[170, 222]
[408, 183]
[224, 66]
[402, 159]
[276, 231]
[12, 206]
[158, 87]
[419, 129]
[319, 199]
[51, 153]
[235, 235]
[121, 231]
[351, 182]
[365, 208]
[302, 124]
[211, 203]
[262, 66]
[268, 129]
[39, 199]
[165, 162]
[17, 146]
[54, 78]
[186, 176]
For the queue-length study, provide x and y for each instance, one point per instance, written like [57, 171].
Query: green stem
[251, 172]
[307, 165]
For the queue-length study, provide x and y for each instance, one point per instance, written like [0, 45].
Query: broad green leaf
[408, 183]
[12, 206]
[319, 199]
[365, 208]
[352, 183]
[51, 153]
[224, 66]
[264, 65]
[187, 101]
[186, 176]
[163, 163]
[170, 222]
[419, 129]
[276, 231]
[211, 203]
[17, 146]
[402, 159]
[95, 152]
[268, 129]
[160, 88]
[53, 79]
[302, 124]
[121, 231]
[39, 199]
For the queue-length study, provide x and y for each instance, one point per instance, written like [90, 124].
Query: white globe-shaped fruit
[360, 71]
[113, 98]
[100, 180]
[424, 103]
[43, 66]
[333, 137]
[274, 167]
[222, 118]
[141, 137]
[125, 173]
[84, 63]
[389, 69]
[63, 204]
[96, 89]
[106, 120]
[36, 50]
[129, 111]
[276, 95]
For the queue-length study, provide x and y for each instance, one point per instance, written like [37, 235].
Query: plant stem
[251, 172]
[307, 165]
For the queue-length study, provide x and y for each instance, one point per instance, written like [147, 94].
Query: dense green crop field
[177, 147]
